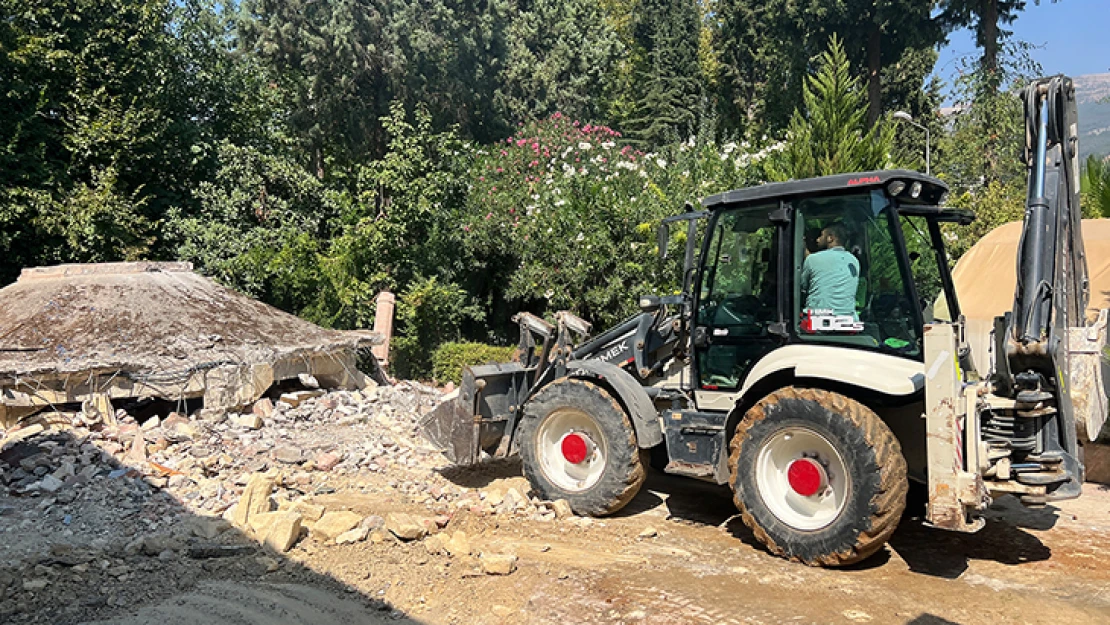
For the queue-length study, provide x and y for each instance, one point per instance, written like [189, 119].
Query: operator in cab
[830, 276]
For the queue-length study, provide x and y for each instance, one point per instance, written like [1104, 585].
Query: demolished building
[102, 333]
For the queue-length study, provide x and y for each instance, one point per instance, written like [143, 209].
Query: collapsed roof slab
[93, 333]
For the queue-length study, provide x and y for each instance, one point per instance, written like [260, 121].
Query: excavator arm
[1048, 356]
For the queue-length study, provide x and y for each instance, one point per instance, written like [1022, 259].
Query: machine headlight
[915, 190]
[895, 187]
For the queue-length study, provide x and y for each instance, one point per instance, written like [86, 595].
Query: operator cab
[852, 260]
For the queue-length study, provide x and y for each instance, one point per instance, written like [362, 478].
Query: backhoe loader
[814, 361]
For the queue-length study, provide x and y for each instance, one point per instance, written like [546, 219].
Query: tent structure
[986, 277]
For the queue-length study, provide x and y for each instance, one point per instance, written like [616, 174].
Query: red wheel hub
[575, 448]
[806, 476]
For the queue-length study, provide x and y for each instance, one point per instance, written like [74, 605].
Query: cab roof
[931, 192]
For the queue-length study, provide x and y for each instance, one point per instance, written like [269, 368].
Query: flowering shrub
[563, 213]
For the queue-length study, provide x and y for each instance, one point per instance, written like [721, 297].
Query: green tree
[397, 228]
[768, 46]
[830, 134]
[1095, 187]
[669, 88]
[561, 56]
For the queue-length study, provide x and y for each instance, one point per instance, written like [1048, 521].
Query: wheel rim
[572, 450]
[802, 478]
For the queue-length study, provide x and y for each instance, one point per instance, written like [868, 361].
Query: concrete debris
[212, 489]
[497, 563]
[406, 526]
[249, 421]
[332, 524]
[648, 532]
[283, 531]
[355, 535]
[100, 334]
[263, 408]
[562, 509]
[255, 499]
[458, 545]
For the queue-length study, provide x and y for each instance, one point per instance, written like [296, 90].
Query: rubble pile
[86, 499]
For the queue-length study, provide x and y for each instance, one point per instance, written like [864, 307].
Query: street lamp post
[906, 117]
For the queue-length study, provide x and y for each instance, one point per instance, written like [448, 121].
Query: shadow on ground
[926, 550]
[108, 545]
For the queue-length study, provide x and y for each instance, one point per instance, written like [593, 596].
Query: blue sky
[1072, 37]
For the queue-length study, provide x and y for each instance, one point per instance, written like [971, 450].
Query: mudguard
[645, 419]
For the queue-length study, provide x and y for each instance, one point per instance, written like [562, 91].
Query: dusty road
[698, 567]
[120, 546]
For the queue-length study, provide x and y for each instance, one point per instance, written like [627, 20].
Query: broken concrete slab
[103, 332]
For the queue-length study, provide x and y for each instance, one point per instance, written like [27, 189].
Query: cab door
[739, 301]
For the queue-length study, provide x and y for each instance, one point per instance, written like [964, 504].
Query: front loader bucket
[481, 415]
[450, 427]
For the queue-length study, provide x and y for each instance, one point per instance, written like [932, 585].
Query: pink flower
[488, 215]
[500, 170]
[512, 211]
[535, 146]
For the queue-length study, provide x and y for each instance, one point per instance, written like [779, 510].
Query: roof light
[895, 187]
[915, 190]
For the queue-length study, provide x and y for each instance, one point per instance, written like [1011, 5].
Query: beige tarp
[986, 276]
[985, 279]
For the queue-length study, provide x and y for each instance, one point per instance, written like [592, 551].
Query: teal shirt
[830, 279]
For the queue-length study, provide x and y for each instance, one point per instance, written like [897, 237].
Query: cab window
[853, 285]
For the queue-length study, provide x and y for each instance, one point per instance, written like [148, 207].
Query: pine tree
[670, 92]
[831, 135]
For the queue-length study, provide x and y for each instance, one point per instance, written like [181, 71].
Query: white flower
[548, 293]
[661, 162]
[584, 145]
[580, 237]
[560, 202]
[627, 165]
[608, 145]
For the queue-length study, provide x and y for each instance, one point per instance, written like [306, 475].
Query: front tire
[577, 443]
[818, 477]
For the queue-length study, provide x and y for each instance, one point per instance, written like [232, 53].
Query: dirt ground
[700, 566]
[676, 554]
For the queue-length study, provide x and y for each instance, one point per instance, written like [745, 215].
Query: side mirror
[662, 238]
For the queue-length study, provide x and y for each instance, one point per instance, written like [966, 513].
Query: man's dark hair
[838, 230]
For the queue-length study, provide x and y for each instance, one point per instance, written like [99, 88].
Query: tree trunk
[988, 34]
[874, 69]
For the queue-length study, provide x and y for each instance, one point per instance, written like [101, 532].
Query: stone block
[283, 532]
[497, 563]
[255, 499]
[332, 524]
[405, 526]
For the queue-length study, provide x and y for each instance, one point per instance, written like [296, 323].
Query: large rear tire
[578, 444]
[818, 477]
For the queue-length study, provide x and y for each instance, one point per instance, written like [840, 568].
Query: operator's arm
[807, 274]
